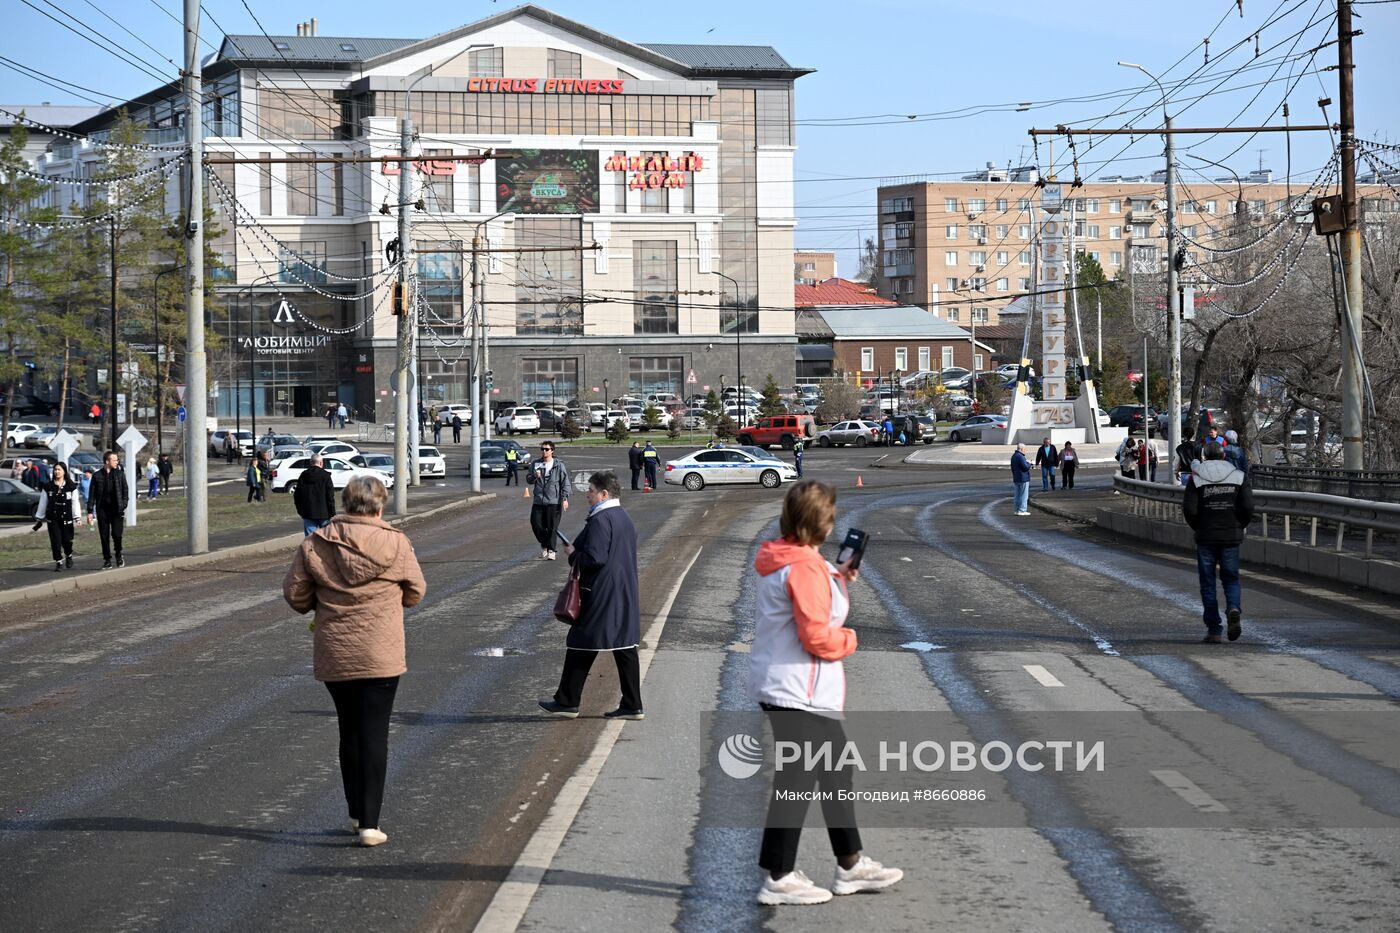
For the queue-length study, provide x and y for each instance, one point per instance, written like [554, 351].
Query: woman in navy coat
[605, 555]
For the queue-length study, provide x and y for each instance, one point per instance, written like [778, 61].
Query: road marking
[1046, 678]
[1189, 791]
[507, 908]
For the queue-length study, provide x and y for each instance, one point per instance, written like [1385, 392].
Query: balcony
[892, 272]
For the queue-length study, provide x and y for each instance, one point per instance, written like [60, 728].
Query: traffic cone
[859, 482]
[527, 492]
[646, 488]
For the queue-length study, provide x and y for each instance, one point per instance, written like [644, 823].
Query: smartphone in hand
[853, 548]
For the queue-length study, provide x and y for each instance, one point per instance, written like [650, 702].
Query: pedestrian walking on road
[152, 478]
[257, 476]
[797, 449]
[85, 487]
[1218, 504]
[1047, 457]
[342, 414]
[651, 460]
[166, 468]
[796, 676]
[330, 417]
[456, 428]
[634, 463]
[610, 612]
[107, 504]
[231, 451]
[1235, 453]
[1021, 480]
[512, 466]
[549, 492]
[1069, 462]
[30, 475]
[95, 413]
[437, 431]
[1127, 461]
[60, 506]
[1187, 453]
[359, 573]
[314, 496]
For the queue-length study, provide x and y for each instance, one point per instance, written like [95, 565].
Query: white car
[445, 413]
[597, 415]
[612, 416]
[384, 463]
[334, 449]
[860, 433]
[431, 462]
[1104, 420]
[729, 465]
[285, 475]
[517, 421]
[634, 416]
[18, 432]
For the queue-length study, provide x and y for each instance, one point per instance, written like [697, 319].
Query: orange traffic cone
[859, 482]
[527, 492]
[646, 488]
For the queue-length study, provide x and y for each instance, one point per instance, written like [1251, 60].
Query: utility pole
[403, 374]
[112, 373]
[1353, 448]
[197, 390]
[476, 363]
[1173, 306]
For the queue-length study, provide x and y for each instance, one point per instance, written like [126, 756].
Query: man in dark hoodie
[1218, 505]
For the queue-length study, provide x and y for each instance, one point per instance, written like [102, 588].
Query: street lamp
[1173, 296]
[1240, 208]
[738, 346]
[252, 362]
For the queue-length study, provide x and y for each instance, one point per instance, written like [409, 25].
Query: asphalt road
[171, 762]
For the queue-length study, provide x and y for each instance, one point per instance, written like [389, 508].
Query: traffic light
[400, 298]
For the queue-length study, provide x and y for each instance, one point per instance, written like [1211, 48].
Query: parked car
[269, 440]
[728, 465]
[39, 440]
[244, 439]
[17, 499]
[1130, 417]
[285, 475]
[1104, 420]
[664, 400]
[27, 406]
[551, 420]
[634, 416]
[859, 433]
[340, 449]
[85, 460]
[384, 463]
[517, 421]
[597, 415]
[953, 406]
[19, 431]
[522, 454]
[972, 428]
[311, 439]
[445, 413]
[1007, 370]
[1206, 418]
[928, 428]
[291, 452]
[493, 460]
[778, 429]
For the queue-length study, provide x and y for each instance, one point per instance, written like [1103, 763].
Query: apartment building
[810, 267]
[636, 201]
[963, 248]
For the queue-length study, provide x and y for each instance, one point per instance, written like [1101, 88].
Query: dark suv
[1130, 417]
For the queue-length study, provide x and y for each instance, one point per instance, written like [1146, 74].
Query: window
[654, 199]
[899, 257]
[950, 205]
[1256, 208]
[1003, 231]
[554, 379]
[548, 286]
[773, 116]
[564, 64]
[1116, 257]
[1079, 205]
[977, 257]
[979, 316]
[948, 356]
[977, 283]
[1079, 228]
[649, 375]
[953, 315]
[298, 113]
[1024, 231]
[338, 186]
[1025, 283]
[302, 262]
[867, 359]
[923, 359]
[1093, 231]
[1115, 206]
[978, 363]
[486, 63]
[950, 258]
[1003, 285]
[1003, 257]
[1023, 257]
[1142, 231]
[976, 205]
[901, 358]
[1091, 205]
[264, 183]
[1115, 233]
[1023, 204]
[1210, 207]
[1188, 207]
[1094, 255]
[440, 283]
[977, 231]
[896, 205]
[809, 267]
[301, 184]
[952, 284]
[950, 231]
[654, 274]
[437, 189]
[1001, 204]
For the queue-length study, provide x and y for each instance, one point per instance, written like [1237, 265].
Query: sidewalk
[975, 454]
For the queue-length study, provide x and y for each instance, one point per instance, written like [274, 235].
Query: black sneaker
[559, 709]
[106, 565]
[121, 561]
[631, 715]
[69, 562]
[1232, 624]
[58, 566]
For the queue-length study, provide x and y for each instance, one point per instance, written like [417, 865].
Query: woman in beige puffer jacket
[359, 573]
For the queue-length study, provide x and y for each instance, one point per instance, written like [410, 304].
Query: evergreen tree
[19, 255]
[617, 431]
[651, 418]
[570, 430]
[772, 401]
[724, 428]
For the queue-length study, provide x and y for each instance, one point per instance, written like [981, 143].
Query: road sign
[690, 380]
[63, 444]
[705, 388]
[131, 441]
[180, 393]
[181, 414]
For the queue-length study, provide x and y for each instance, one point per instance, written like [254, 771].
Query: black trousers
[60, 540]
[362, 709]
[651, 473]
[109, 528]
[577, 665]
[512, 473]
[456, 435]
[636, 477]
[1067, 469]
[544, 522]
[783, 831]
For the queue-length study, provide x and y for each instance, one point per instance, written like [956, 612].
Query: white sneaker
[865, 875]
[544, 553]
[793, 888]
[551, 556]
[372, 837]
[1023, 513]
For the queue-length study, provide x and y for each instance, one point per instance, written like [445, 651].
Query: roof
[838, 291]
[809, 325]
[898, 322]
[725, 57]
[299, 49]
[61, 116]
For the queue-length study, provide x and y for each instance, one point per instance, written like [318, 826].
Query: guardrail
[1376, 485]
[1162, 502]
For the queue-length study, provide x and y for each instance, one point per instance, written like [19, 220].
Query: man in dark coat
[1218, 505]
[651, 460]
[1021, 480]
[634, 463]
[107, 501]
[166, 467]
[610, 617]
[456, 428]
[315, 496]
[1047, 457]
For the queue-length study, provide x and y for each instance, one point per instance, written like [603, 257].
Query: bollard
[1370, 539]
[1341, 531]
[1287, 529]
[1312, 539]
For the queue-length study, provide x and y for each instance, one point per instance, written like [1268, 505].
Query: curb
[166, 565]
[1062, 513]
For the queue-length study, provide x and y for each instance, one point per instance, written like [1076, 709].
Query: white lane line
[1046, 678]
[513, 897]
[1189, 791]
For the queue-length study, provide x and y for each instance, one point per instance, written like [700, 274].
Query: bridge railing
[1376, 485]
[1337, 516]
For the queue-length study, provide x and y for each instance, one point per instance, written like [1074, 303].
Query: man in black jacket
[634, 463]
[107, 500]
[314, 496]
[1219, 506]
[1047, 457]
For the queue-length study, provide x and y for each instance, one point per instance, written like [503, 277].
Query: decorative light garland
[1260, 273]
[163, 168]
[1328, 172]
[1297, 260]
[289, 269]
[53, 130]
[76, 224]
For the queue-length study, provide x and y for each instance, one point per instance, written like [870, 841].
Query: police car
[729, 465]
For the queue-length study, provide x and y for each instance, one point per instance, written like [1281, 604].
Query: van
[779, 429]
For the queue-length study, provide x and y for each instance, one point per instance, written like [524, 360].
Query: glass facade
[302, 262]
[654, 281]
[648, 375]
[548, 284]
[738, 195]
[546, 114]
[550, 381]
[299, 113]
[440, 286]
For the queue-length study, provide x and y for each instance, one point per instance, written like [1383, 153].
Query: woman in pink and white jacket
[795, 674]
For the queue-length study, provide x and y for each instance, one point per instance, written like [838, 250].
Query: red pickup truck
[778, 429]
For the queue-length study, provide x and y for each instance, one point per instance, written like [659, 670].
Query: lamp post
[155, 318]
[478, 371]
[1173, 296]
[252, 362]
[738, 347]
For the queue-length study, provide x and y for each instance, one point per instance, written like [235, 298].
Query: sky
[957, 67]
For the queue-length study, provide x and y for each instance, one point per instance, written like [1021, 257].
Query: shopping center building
[634, 207]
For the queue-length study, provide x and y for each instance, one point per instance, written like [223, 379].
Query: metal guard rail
[1163, 501]
[1381, 486]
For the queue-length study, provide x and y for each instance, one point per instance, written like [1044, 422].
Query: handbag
[569, 604]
